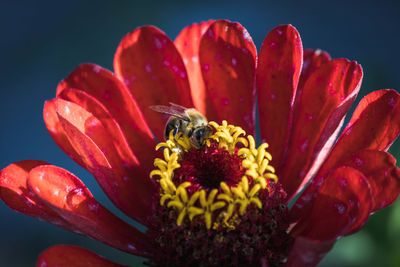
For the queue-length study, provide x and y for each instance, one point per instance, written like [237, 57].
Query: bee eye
[190, 132]
[199, 134]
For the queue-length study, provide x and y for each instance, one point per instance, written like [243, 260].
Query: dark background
[42, 41]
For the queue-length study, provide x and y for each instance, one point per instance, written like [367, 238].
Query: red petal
[343, 202]
[312, 60]
[278, 71]
[93, 143]
[151, 67]
[380, 169]
[320, 108]
[69, 198]
[108, 90]
[306, 252]
[90, 104]
[67, 256]
[375, 124]
[16, 194]
[188, 43]
[57, 131]
[227, 57]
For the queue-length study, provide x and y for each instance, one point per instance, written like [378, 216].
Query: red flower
[103, 121]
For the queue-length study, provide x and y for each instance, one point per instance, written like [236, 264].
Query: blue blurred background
[42, 41]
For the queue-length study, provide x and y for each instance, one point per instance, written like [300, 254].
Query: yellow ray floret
[218, 206]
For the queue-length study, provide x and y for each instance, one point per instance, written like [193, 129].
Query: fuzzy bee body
[188, 121]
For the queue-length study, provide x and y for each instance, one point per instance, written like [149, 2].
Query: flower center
[226, 191]
[207, 167]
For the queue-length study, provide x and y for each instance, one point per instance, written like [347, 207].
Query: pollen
[216, 184]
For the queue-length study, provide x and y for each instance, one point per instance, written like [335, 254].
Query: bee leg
[169, 128]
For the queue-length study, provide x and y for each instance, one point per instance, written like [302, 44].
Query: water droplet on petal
[234, 61]
[93, 207]
[68, 188]
[175, 69]
[166, 63]
[391, 102]
[306, 198]
[304, 145]
[298, 205]
[382, 204]
[342, 182]
[247, 119]
[195, 59]
[225, 101]
[319, 183]
[347, 132]
[306, 64]
[131, 247]
[351, 203]
[42, 263]
[107, 95]
[78, 191]
[147, 68]
[358, 162]
[127, 81]
[211, 34]
[29, 202]
[340, 208]
[246, 35]
[96, 69]
[157, 42]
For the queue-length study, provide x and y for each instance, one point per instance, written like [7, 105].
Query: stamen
[213, 204]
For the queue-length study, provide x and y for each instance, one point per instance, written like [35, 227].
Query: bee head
[200, 135]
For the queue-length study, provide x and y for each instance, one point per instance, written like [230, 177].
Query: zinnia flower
[225, 202]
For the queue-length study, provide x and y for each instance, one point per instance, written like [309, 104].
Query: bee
[188, 121]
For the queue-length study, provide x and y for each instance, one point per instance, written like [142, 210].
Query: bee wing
[178, 107]
[170, 111]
